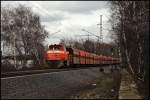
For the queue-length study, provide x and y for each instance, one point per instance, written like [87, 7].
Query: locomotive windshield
[56, 47]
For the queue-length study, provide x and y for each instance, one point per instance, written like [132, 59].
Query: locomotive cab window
[57, 47]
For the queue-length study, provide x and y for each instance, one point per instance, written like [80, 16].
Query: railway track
[30, 72]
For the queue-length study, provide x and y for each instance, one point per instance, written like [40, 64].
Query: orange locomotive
[60, 56]
[57, 55]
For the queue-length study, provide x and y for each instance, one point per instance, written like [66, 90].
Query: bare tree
[27, 28]
[130, 21]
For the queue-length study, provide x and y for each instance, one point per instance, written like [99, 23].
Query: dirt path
[128, 88]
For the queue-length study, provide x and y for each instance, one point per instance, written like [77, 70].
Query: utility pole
[15, 50]
[88, 37]
[101, 35]
[100, 31]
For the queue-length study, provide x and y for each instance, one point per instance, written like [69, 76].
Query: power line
[91, 33]
[88, 35]
[55, 33]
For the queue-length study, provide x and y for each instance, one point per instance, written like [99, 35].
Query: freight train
[59, 56]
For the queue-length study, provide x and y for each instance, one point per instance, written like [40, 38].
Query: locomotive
[59, 56]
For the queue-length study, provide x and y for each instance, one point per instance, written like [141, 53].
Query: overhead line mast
[100, 31]
[101, 35]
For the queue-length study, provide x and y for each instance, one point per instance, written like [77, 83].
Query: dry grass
[106, 88]
[128, 88]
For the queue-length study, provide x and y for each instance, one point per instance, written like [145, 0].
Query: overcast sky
[70, 17]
